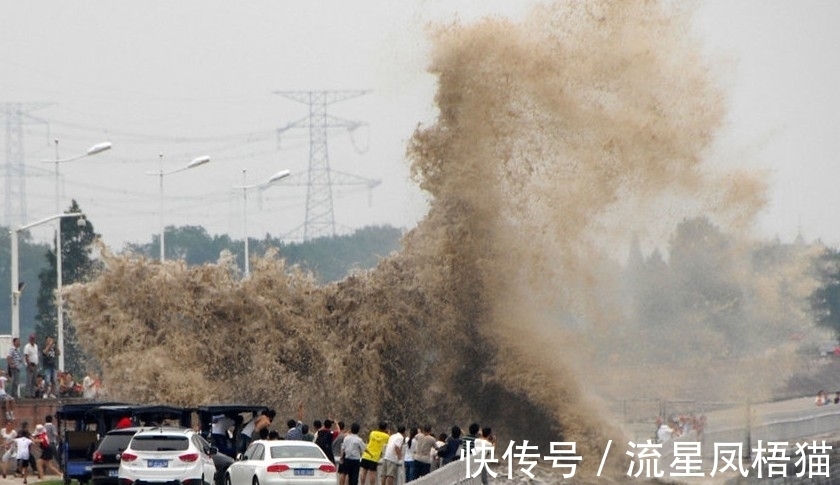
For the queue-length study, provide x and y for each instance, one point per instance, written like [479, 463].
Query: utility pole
[320, 219]
[14, 200]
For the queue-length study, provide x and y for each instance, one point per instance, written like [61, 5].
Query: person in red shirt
[47, 461]
[124, 422]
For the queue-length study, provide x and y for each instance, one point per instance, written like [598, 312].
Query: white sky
[193, 77]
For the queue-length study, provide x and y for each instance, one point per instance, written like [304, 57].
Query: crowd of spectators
[390, 454]
[823, 399]
[688, 425]
[43, 380]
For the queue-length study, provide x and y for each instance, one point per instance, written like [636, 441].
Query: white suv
[173, 456]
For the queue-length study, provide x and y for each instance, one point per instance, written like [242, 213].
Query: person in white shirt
[441, 441]
[30, 357]
[8, 433]
[410, 447]
[484, 448]
[351, 454]
[21, 444]
[8, 400]
[664, 433]
[88, 390]
[219, 433]
[393, 456]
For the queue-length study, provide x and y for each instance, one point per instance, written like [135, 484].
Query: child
[22, 446]
[40, 390]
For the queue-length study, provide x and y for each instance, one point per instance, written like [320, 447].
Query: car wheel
[227, 479]
[66, 480]
[255, 482]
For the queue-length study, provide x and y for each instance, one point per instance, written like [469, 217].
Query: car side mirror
[240, 457]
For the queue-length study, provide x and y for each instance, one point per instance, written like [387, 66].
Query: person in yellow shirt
[370, 458]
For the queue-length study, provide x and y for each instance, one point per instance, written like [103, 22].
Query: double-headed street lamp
[95, 149]
[17, 286]
[274, 178]
[196, 162]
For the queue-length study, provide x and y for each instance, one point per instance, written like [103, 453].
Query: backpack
[324, 440]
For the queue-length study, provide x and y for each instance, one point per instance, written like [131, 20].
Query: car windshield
[114, 443]
[159, 442]
[296, 452]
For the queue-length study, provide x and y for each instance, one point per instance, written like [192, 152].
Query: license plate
[158, 463]
[113, 473]
[304, 472]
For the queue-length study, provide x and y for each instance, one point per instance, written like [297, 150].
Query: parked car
[276, 462]
[176, 456]
[106, 458]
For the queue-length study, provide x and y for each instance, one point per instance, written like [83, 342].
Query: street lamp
[95, 149]
[274, 178]
[196, 162]
[17, 287]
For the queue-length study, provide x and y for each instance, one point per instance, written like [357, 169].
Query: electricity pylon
[14, 201]
[320, 218]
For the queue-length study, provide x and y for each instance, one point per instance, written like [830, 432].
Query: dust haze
[578, 251]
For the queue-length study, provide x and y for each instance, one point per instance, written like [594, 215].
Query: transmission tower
[320, 219]
[16, 114]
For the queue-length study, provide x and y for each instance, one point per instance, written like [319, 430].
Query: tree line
[724, 294]
[328, 259]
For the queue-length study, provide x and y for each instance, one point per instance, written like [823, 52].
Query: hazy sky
[187, 78]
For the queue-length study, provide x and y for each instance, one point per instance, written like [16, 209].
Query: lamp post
[95, 149]
[196, 162]
[274, 178]
[17, 287]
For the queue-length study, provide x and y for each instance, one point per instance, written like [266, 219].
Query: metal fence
[807, 423]
[452, 474]
[791, 421]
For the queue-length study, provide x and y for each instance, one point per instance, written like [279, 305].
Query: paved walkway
[12, 480]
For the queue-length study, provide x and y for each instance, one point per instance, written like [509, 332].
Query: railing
[806, 423]
[791, 421]
[451, 474]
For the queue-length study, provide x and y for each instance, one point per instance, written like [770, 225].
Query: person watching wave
[373, 451]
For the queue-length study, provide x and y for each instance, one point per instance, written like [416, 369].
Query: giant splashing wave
[557, 138]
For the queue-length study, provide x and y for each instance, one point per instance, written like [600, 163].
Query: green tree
[30, 264]
[194, 245]
[333, 258]
[190, 243]
[329, 258]
[78, 265]
[825, 300]
[709, 291]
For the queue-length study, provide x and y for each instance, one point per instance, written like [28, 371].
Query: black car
[106, 458]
